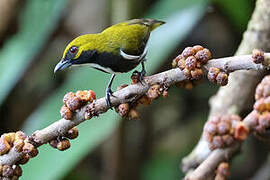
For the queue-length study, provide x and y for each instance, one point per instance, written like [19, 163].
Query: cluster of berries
[62, 142]
[8, 172]
[130, 109]
[20, 142]
[259, 118]
[215, 75]
[222, 131]
[191, 60]
[73, 101]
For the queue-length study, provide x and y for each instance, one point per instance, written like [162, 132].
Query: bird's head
[77, 52]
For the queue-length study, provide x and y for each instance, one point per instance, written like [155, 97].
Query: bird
[117, 49]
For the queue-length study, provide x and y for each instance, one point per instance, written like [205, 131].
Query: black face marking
[85, 57]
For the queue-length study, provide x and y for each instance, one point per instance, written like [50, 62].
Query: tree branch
[127, 94]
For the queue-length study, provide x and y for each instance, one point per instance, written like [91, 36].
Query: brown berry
[68, 96]
[212, 74]
[227, 139]
[252, 119]
[20, 135]
[174, 63]
[53, 143]
[210, 128]
[181, 64]
[266, 80]
[223, 128]
[222, 171]
[259, 105]
[175, 60]
[17, 170]
[266, 90]
[73, 104]
[9, 137]
[133, 114]
[203, 55]
[264, 120]
[196, 74]
[217, 142]
[72, 133]
[257, 56]
[4, 146]
[64, 144]
[66, 113]
[14, 178]
[153, 91]
[187, 73]
[215, 119]
[123, 109]
[24, 159]
[191, 63]
[259, 91]
[7, 171]
[86, 96]
[145, 100]
[18, 144]
[30, 149]
[222, 79]
[188, 51]
[197, 48]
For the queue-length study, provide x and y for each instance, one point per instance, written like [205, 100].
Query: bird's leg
[109, 92]
[143, 72]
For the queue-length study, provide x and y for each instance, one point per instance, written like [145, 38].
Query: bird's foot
[137, 76]
[142, 74]
[109, 93]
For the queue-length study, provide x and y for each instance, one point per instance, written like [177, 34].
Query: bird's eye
[73, 49]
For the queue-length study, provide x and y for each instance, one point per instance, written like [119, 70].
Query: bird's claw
[109, 93]
[142, 74]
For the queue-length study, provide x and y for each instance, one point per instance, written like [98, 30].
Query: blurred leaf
[36, 23]
[238, 12]
[93, 132]
[161, 166]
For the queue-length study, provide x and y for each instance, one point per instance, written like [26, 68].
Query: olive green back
[130, 36]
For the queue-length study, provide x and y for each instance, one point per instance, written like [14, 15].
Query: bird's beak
[62, 65]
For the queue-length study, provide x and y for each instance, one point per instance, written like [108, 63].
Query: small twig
[125, 95]
[209, 165]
